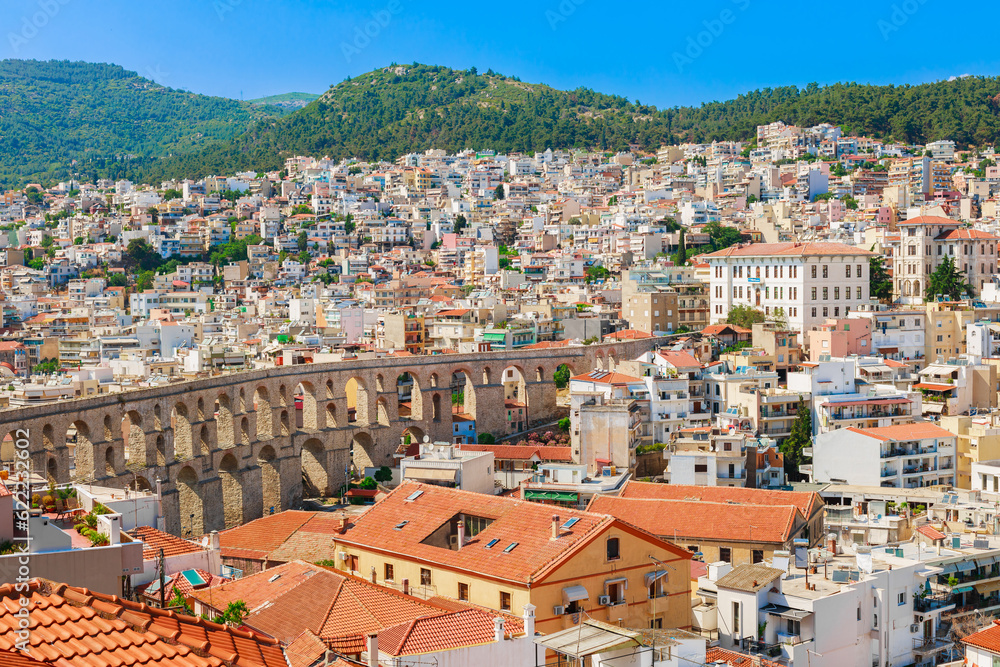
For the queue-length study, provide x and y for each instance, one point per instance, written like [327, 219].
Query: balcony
[928, 604]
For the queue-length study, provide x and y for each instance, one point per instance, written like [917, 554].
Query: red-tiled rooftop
[808, 249]
[703, 520]
[442, 632]
[75, 627]
[524, 452]
[807, 502]
[903, 432]
[264, 538]
[513, 521]
[153, 540]
[339, 608]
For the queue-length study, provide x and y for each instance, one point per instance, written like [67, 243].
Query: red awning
[934, 387]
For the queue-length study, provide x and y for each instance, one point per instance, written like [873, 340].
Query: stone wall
[230, 448]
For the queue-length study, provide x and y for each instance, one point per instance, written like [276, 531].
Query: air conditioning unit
[915, 627]
[342, 556]
[559, 610]
[604, 600]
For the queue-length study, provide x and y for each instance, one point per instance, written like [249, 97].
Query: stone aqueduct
[229, 449]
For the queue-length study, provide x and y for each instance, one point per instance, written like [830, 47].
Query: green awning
[551, 495]
[494, 336]
[962, 589]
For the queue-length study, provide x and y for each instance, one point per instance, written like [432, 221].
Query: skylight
[569, 524]
[413, 496]
[399, 526]
[510, 547]
[492, 543]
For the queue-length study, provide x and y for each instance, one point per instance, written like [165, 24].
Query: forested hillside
[55, 112]
[119, 124]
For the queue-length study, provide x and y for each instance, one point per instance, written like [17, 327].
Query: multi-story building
[907, 456]
[925, 242]
[502, 554]
[805, 282]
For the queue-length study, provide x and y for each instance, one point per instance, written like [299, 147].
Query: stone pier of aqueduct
[231, 448]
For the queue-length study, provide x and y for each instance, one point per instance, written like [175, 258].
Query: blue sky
[664, 53]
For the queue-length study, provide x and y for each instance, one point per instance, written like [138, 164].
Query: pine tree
[949, 281]
[800, 437]
[681, 259]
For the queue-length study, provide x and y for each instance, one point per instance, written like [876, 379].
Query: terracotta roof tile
[807, 502]
[153, 540]
[716, 654]
[987, 638]
[443, 632]
[74, 627]
[697, 519]
[259, 538]
[526, 523]
[337, 607]
[808, 249]
[917, 431]
[524, 452]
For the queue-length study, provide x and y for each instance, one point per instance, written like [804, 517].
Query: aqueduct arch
[227, 449]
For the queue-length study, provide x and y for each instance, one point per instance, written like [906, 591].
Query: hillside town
[718, 404]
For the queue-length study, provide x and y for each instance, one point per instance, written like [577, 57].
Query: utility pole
[163, 594]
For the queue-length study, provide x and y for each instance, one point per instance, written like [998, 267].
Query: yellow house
[978, 440]
[503, 553]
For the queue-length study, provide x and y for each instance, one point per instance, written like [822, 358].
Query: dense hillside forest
[99, 113]
[287, 102]
[400, 109]
[54, 112]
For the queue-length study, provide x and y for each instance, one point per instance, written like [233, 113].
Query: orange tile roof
[807, 502]
[339, 608]
[987, 638]
[808, 249]
[442, 632]
[18, 659]
[966, 234]
[605, 377]
[917, 431]
[74, 627]
[305, 649]
[931, 532]
[179, 581]
[524, 452]
[927, 220]
[716, 654]
[697, 519]
[526, 523]
[153, 540]
[257, 539]
[628, 334]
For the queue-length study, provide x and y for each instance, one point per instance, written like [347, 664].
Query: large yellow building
[502, 553]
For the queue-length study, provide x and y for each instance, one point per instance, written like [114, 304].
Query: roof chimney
[498, 629]
[372, 649]
[555, 526]
[343, 525]
[214, 542]
[461, 534]
[529, 620]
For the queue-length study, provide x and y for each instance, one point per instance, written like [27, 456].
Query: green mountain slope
[54, 112]
[287, 102]
[396, 110]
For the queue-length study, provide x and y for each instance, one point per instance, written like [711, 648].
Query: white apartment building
[925, 242]
[808, 281]
[904, 457]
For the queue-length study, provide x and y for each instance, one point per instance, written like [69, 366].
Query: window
[725, 554]
[767, 271]
[615, 590]
[826, 293]
[463, 592]
[389, 572]
[352, 563]
[859, 271]
[736, 618]
[858, 292]
[814, 271]
[836, 293]
[701, 467]
[814, 312]
[813, 293]
[901, 598]
[425, 577]
[504, 601]
[612, 549]
[847, 267]
[826, 271]
[792, 626]
[757, 556]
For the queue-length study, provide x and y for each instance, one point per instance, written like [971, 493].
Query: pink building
[840, 338]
